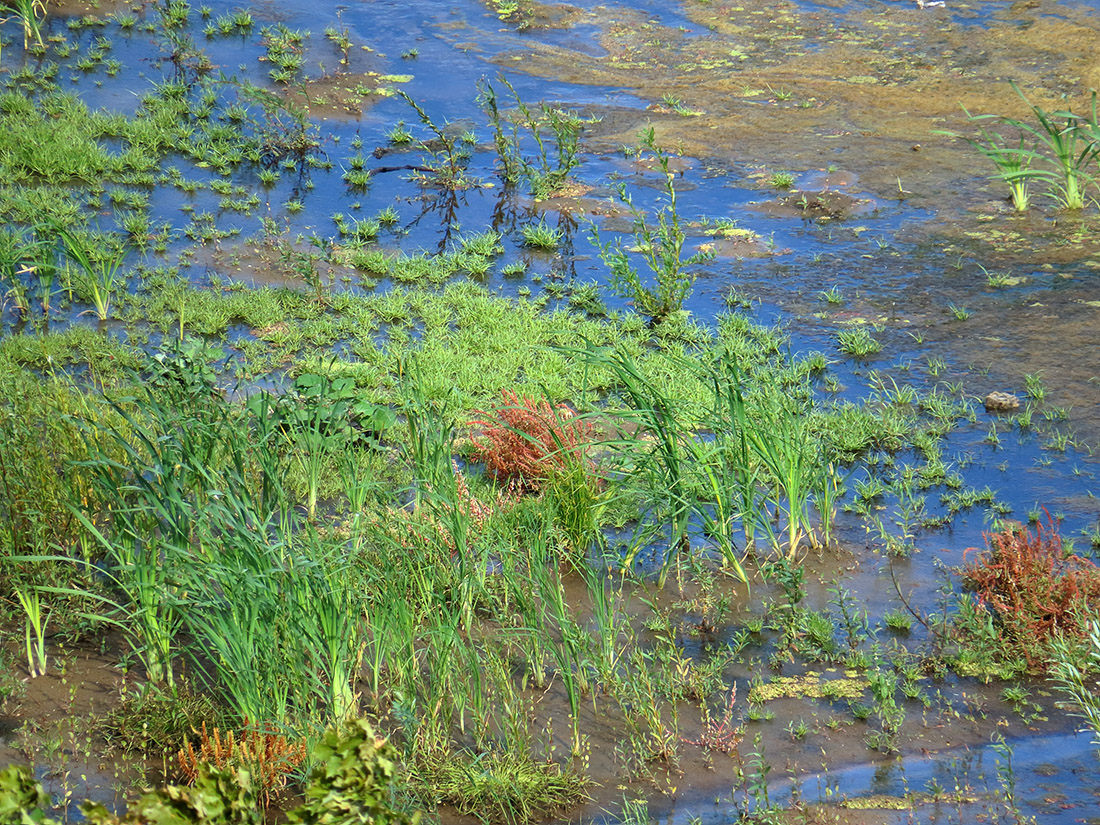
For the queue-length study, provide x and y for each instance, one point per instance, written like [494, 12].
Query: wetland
[526, 412]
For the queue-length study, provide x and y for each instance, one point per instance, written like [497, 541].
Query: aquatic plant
[216, 797]
[1073, 146]
[22, 798]
[724, 734]
[661, 246]
[781, 180]
[687, 478]
[284, 51]
[14, 261]
[1013, 161]
[447, 167]
[1064, 145]
[549, 169]
[341, 39]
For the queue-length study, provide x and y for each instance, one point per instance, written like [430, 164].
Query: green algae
[811, 685]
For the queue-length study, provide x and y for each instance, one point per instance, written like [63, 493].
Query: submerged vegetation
[362, 537]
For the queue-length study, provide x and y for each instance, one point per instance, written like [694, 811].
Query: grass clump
[52, 139]
[858, 342]
[541, 236]
[506, 787]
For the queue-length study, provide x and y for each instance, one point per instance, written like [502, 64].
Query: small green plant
[959, 313]
[781, 180]
[447, 167]
[23, 801]
[798, 730]
[1033, 385]
[31, 14]
[284, 51]
[399, 135]
[832, 295]
[35, 631]
[342, 40]
[216, 797]
[858, 342]
[351, 780]
[899, 620]
[677, 105]
[541, 236]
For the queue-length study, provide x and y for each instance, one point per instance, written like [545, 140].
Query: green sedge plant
[1058, 149]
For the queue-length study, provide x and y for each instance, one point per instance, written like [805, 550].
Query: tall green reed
[145, 609]
[693, 481]
[568, 642]
[787, 448]
[665, 462]
[611, 624]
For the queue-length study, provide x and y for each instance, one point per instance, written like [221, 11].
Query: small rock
[998, 402]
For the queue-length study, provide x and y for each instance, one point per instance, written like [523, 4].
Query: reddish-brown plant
[723, 735]
[270, 757]
[526, 440]
[1035, 588]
